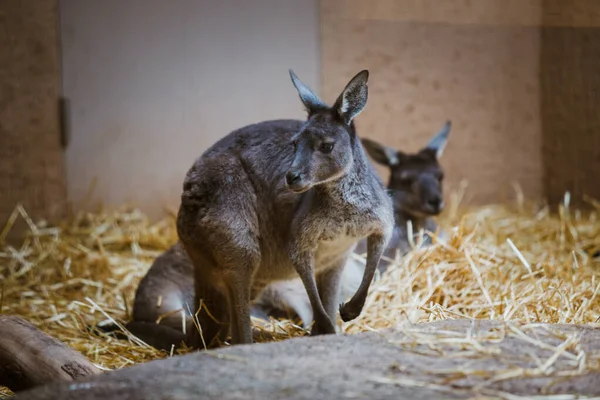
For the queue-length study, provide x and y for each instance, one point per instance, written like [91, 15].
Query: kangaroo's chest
[340, 236]
[332, 250]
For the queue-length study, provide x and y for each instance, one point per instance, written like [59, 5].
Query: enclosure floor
[516, 263]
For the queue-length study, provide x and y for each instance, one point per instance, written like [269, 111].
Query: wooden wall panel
[482, 77]
[31, 160]
[570, 93]
[569, 13]
[479, 12]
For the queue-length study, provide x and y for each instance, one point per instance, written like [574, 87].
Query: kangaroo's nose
[435, 204]
[291, 178]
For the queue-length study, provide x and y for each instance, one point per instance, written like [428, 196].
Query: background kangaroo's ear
[381, 154]
[354, 97]
[311, 101]
[438, 142]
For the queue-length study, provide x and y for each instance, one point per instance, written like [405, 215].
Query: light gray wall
[153, 83]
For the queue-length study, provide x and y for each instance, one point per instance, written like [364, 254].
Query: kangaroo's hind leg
[210, 314]
[237, 284]
[218, 225]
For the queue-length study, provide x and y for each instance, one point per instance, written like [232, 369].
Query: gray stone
[425, 361]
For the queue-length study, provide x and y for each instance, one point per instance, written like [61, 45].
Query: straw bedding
[508, 262]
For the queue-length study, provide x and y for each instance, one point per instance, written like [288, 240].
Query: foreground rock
[450, 359]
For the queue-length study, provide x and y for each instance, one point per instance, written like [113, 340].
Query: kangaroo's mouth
[298, 185]
[427, 213]
[298, 188]
[419, 212]
[434, 210]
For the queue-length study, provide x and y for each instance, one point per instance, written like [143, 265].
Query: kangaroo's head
[415, 179]
[324, 146]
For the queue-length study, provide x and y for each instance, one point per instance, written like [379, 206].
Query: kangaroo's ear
[311, 101]
[439, 141]
[381, 154]
[353, 98]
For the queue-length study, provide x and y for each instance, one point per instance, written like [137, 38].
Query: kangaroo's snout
[429, 192]
[293, 178]
[296, 181]
[434, 204]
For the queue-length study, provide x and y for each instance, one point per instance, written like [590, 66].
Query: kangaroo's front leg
[375, 246]
[304, 265]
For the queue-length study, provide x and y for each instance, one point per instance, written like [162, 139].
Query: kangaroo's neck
[358, 186]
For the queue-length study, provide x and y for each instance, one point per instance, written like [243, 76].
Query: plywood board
[570, 90]
[31, 159]
[484, 78]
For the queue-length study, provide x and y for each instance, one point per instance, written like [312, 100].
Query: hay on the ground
[518, 263]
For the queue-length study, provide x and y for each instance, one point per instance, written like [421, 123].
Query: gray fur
[416, 186]
[171, 275]
[380, 153]
[411, 202]
[167, 291]
[167, 287]
[416, 182]
[311, 101]
[272, 201]
[353, 98]
[438, 142]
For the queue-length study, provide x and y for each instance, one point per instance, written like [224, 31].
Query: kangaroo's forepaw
[348, 312]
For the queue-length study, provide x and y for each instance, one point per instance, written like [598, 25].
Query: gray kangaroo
[280, 198]
[415, 184]
[167, 290]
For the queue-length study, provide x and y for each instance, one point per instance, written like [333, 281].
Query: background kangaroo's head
[324, 146]
[415, 179]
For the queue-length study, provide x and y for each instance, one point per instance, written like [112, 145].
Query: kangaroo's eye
[441, 177]
[407, 179]
[326, 147]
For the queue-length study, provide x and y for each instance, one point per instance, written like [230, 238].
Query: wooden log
[30, 357]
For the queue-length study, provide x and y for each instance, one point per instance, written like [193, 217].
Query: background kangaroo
[279, 199]
[167, 290]
[416, 186]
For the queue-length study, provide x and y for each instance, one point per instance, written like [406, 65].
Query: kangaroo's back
[168, 286]
[246, 167]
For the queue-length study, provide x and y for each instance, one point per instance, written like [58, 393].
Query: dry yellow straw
[509, 263]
